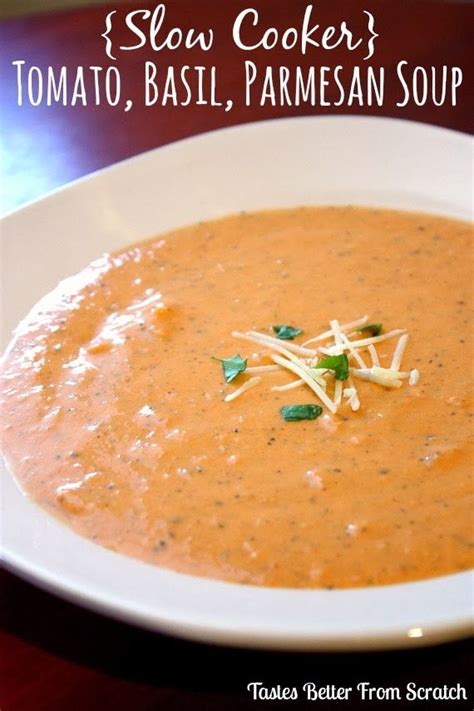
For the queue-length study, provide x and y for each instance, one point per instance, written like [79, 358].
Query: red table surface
[54, 655]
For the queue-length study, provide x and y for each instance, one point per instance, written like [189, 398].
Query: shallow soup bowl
[282, 163]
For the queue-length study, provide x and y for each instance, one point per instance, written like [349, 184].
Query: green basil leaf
[232, 367]
[338, 363]
[375, 329]
[293, 413]
[286, 333]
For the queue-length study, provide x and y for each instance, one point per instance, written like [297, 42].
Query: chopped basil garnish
[286, 333]
[338, 363]
[293, 413]
[375, 329]
[232, 367]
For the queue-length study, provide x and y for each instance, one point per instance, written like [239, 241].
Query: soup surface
[114, 413]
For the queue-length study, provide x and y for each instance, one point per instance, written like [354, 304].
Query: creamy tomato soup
[117, 419]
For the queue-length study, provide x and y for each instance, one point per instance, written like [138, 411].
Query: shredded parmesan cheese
[352, 397]
[276, 345]
[302, 362]
[336, 329]
[363, 342]
[289, 386]
[338, 387]
[318, 376]
[356, 355]
[262, 368]
[398, 353]
[270, 340]
[243, 388]
[373, 354]
[344, 327]
[382, 376]
[298, 370]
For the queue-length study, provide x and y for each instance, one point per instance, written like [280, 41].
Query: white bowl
[334, 160]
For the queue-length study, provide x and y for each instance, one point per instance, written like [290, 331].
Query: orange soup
[339, 462]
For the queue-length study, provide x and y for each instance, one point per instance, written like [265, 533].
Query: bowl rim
[120, 164]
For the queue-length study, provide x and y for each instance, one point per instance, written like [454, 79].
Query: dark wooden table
[55, 656]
